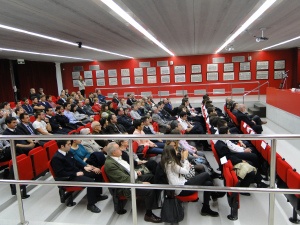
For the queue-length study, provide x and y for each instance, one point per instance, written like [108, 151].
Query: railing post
[272, 182]
[132, 178]
[16, 175]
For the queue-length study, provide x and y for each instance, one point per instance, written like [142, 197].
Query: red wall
[270, 56]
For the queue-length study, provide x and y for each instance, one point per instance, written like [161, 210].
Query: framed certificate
[75, 75]
[151, 71]
[228, 67]
[278, 74]
[113, 81]
[245, 76]
[212, 76]
[262, 65]
[164, 70]
[151, 79]
[125, 80]
[112, 73]
[99, 73]
[165, 79]
[196, 78]
[279, 64]
[88, 74]
[139, 80]
[179, 69]
[262, 75]
[125, 72]
[196, 68]
[138, 71]
[212, 67]
[244, 66]
[180, 78]
[101, 82]
[89, 82]
[228, 76]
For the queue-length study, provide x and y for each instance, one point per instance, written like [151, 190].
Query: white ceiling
[186, 27]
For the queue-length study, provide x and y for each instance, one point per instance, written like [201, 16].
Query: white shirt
[36, 124]
[124, 164]
[183, 123]
[233, 147]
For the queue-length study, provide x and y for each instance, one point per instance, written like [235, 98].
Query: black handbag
[172, 210]
[140, 149]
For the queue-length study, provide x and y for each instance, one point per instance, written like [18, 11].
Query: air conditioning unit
[20, 61]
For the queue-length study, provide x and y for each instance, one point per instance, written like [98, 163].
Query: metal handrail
[267, 82]
[133, 186]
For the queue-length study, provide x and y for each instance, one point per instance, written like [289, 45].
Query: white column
[58, 78]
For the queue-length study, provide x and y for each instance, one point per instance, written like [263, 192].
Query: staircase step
[262, 108]
[254, 111]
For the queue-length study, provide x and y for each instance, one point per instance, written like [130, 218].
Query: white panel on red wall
[278, 74]
[200, 92]
[262, 65]
[151, 71]
[238, 90]
[262, 75]
[75, 75]
[164, 70]
[138, 80]
[181, 92]
[112, 73]
[100, 82]
[144, 64]
[196, 68]
[179, 69]
[88, 74]
[245, 76]
[218, 91]
[89, 82]
[165, 79]
[113, 81]
[212, 67]
[75, 83]
[125, 72]
[212, 76]
[99, 73]
[180, 78]
[125, 80]
[138, 71]
[162, 63]
[196, 78]
[94, 67]
[228, 67]
[238, 59]
[163, 93]
[151, 79]
[244, 66]
[279, 64]
[228, 76]
[218, 60]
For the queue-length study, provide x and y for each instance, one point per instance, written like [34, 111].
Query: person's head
[206, 97]
[115, 95]
[169, 156]
[49, 98]
[129, 95]
[138, 124]
[228, 99]
[185, 101]
[32, 91]
[221, 123]
[154, 109]
[35, 100]
[11, 122]
[49, 111]
[62, 92]
[242, 108]
[80, 77]
[135, 106]
[112, 118]
[43, 98]
[120, 111]
[86, 101]
[175, 131]
[19, 110]
[24, 117]
[98, 91]
[75, 142]
[80, 104]
[113, 149]
[26, 101]
[104, 107]
[59, 109]
[224, 130]
[234, 106]
[64, 145]
[67, 91]
[73, 108]
[6, 105]
[210, 110]
[145, 120]
[123, 143]
[85, 131]
[109, 104]
[41, 90]
[183, 115]
[104, 122]
[214, 121]
[19, 103]
[40, 115]
[96, 126]
[67, 106]
[173, 143]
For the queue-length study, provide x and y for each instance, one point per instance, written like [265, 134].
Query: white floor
[44, 208]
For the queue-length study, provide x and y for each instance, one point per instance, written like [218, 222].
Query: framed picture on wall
[212, 76]
[125, 72]
[228, 67]
[112, 73]
[89, 82]
[151, 71]
[164, 70]
[88, 74]
[99, 73]
[262, 65]
[196, 68]
[262, 75]
[212, 67]
[180, 78]
[179, 69]
[245, 76]
[244, 66]
[151, 79]
[100, 82]
[165, 79]
[113, 81]
[196, 78]
[75, 75]
[139, 80]
[75, 83]
[125, 80]
[138, 71]
[278, 74]
[228, 76]
[279, 64]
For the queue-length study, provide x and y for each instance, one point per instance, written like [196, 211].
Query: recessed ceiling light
[45, 54]
[267, 4]
[117, 9]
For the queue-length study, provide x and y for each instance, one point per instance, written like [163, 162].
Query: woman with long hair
[176, 167]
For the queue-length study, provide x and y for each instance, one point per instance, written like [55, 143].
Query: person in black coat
[124, 120]
[67, 168]
[56, 127]
[113, 127]
[242, 116]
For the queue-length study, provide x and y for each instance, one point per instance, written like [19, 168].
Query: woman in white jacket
[175, 167]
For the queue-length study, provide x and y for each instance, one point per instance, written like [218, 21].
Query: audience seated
[163, 124]
[96, 130]
[123, 104]
[90, 145]
[67, 168]
[118, 171]
[123, 119]
[5, 152]
[44, 103]
[134, 112]
[28, 108]
[115, 98]
[102, 98]
[113, 127]
[56, 127]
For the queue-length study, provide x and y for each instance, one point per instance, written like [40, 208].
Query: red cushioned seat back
[39, 160]
[25, 169]
[293, 180]
[282, 168]
[215, 153]
[51, 150]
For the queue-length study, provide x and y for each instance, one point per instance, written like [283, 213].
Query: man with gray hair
[118, 171]
[242, 115]
[163, 124]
